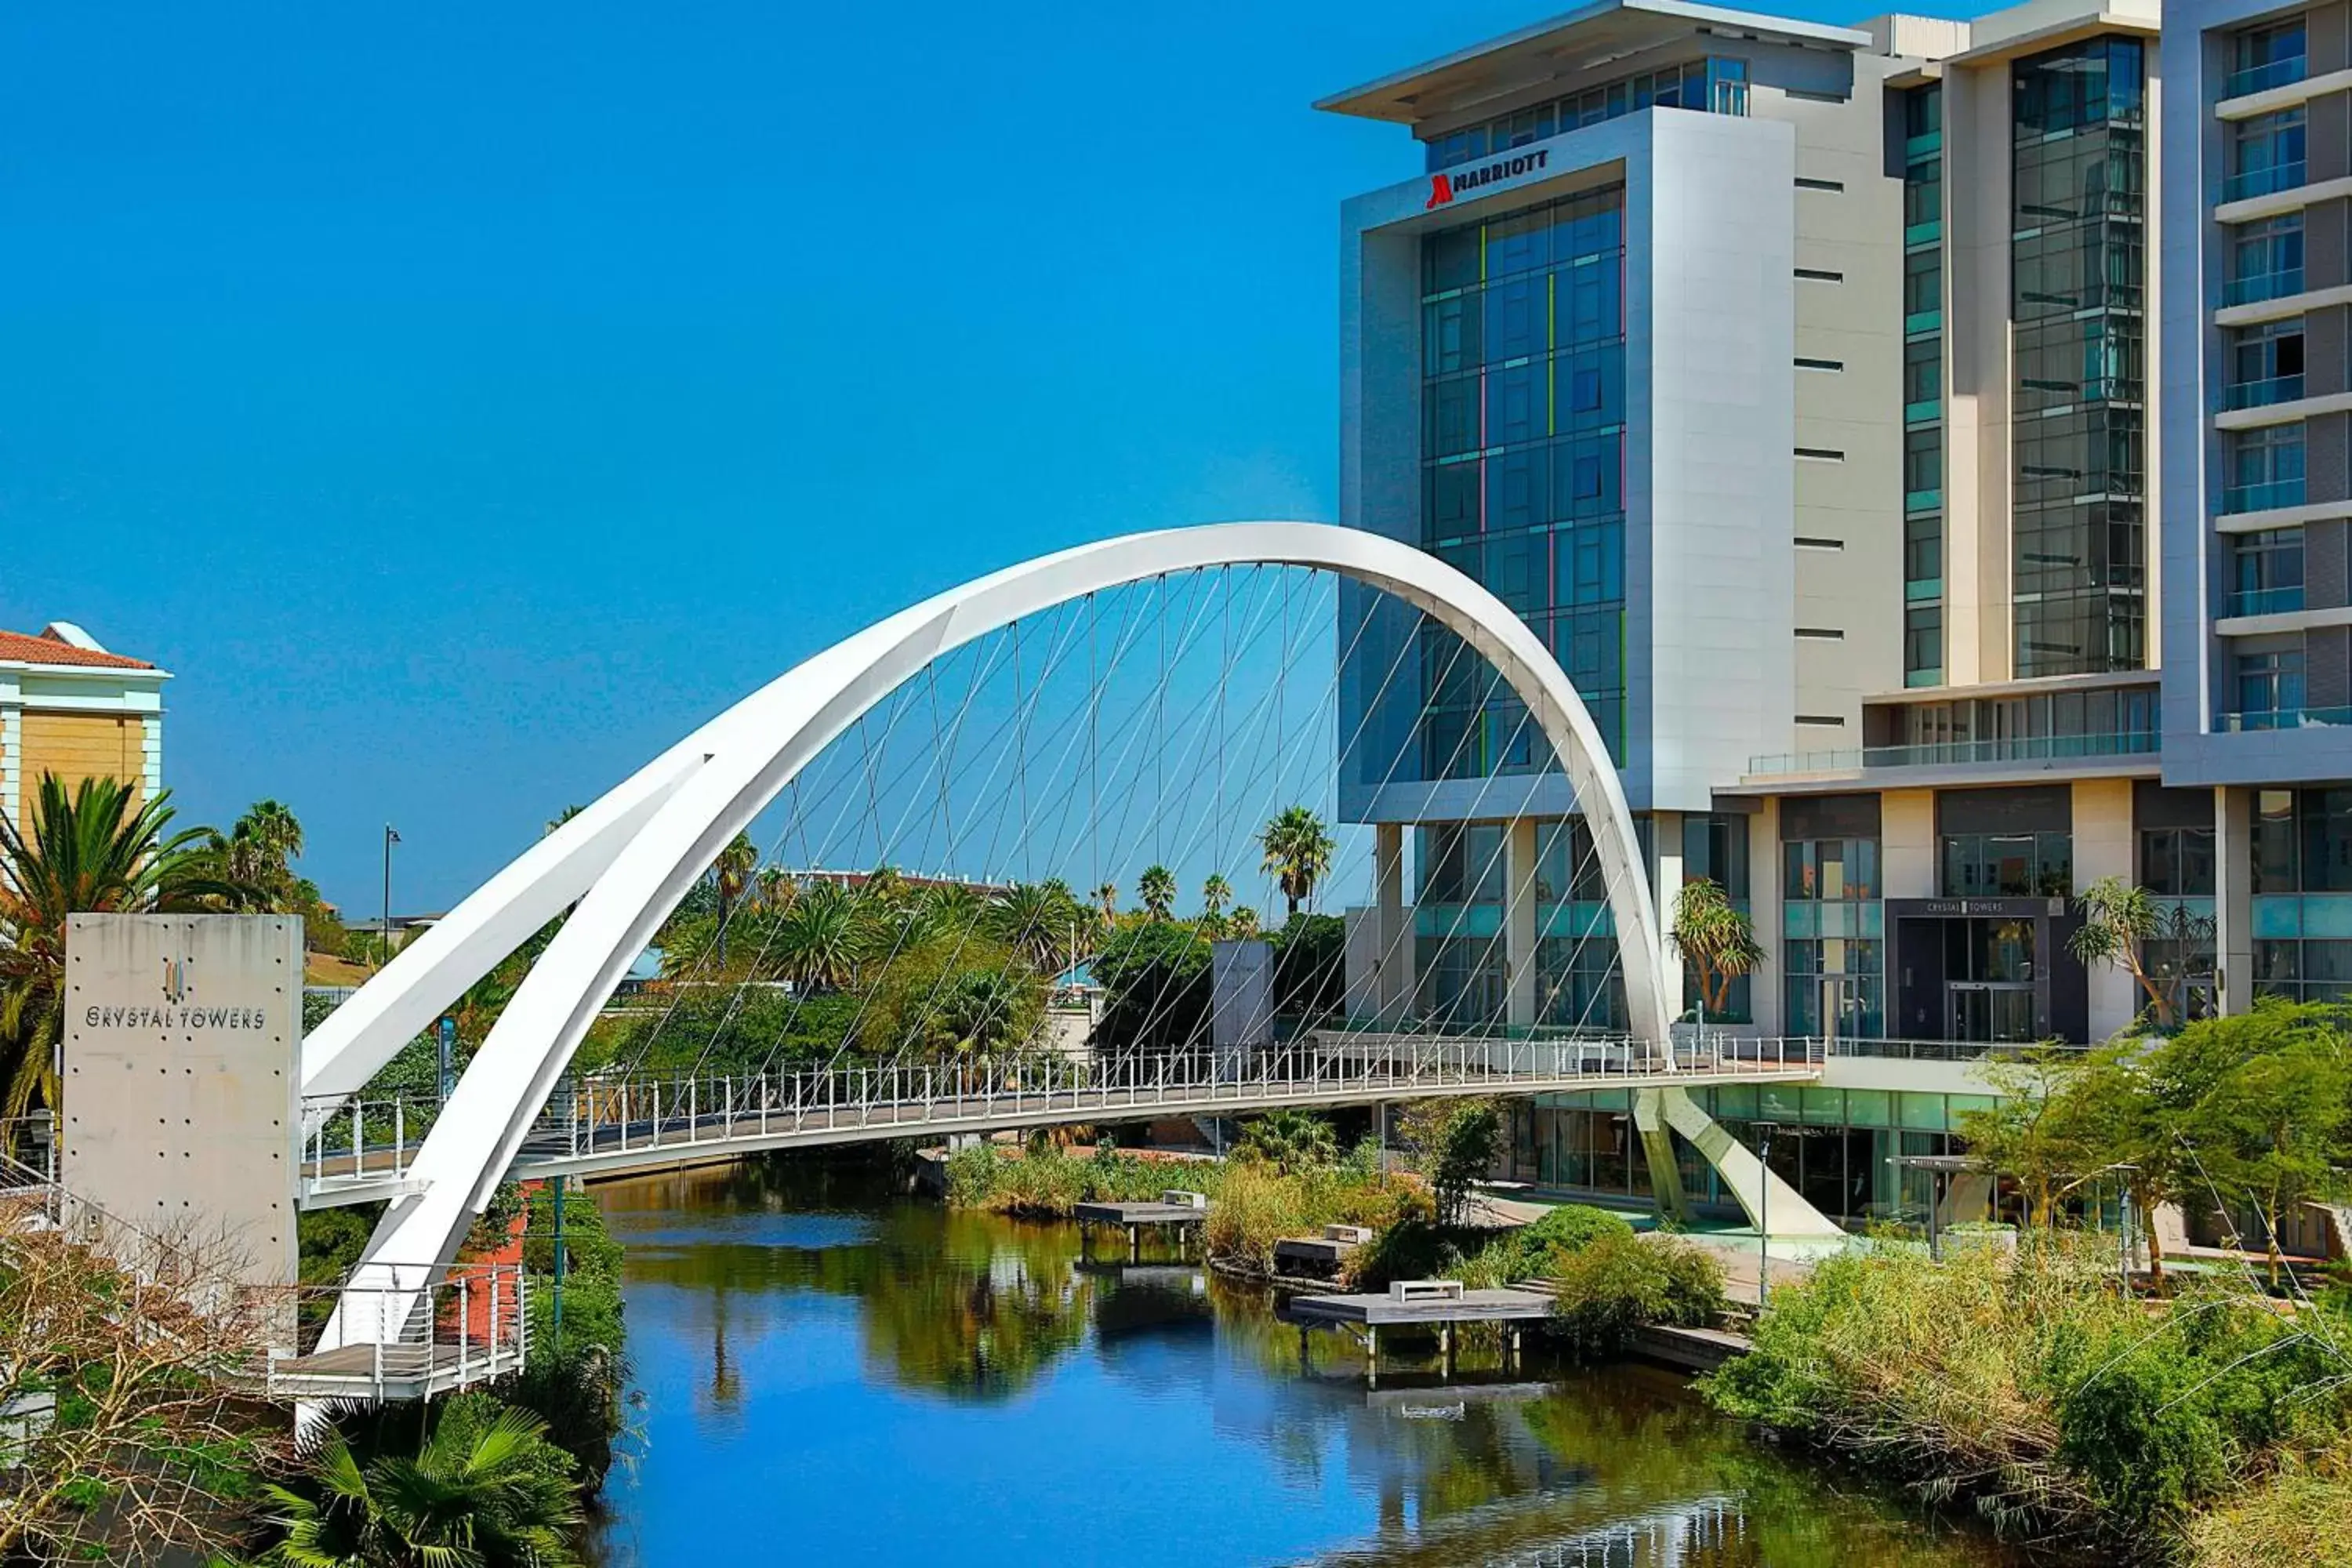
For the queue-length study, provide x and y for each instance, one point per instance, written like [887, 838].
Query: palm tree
[956, 909]
[1035, 921]
[775, 889]
[485, 1492]
[1299, 850]
[820, 943]
[1107, 899]
[1215, 894]
[559, 818]
[975, 1012]
[1290, 1141]
[1242, 925]
[99, 850]
[1157, 889]
[1716, 939]
[270, 835]
[731, 873]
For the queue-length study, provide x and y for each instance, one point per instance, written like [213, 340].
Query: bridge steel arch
[626, 861]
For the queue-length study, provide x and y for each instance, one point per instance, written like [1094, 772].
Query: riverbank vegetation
[2199, 1414]
[2063, 1411]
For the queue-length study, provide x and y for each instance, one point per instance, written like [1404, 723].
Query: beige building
[70, 707]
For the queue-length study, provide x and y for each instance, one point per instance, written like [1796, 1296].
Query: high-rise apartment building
[1797, 382]
[1792, 380]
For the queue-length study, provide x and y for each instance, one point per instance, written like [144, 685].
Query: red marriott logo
[1444, 188]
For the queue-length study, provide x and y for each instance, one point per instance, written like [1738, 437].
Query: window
[1716, 86]
[1923, 194]
[2007, 865]
[1922, 466]
[1805, 185]
[2265, 363]
[2177, 862]
[1923, 286]
[2264, 57]
[1923, 548]
[1815, 870]
[1828, 365]
[2264, 469]
[2265, 259]
[1923, 645]
[2265, 572]
[2270, 688]
[1820, 275]
[1923, 376]
[1923, 112]
[2265, 154]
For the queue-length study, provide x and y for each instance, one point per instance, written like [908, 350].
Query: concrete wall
[180, 1080]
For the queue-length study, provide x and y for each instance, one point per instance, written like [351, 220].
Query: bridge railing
[394, 1332]
[590, 1118]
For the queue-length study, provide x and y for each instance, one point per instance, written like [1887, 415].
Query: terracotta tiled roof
[21, 647]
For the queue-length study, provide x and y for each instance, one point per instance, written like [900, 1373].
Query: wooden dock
[1689, 1350]
[1176, 1210]
[1440, 1305]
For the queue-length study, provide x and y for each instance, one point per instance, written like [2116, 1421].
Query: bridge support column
[1665, 883]
[1393, 967]
[1520, 930]
[1744, 1175]
[1658, 1149]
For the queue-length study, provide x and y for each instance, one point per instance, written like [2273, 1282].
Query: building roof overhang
[1587, 38]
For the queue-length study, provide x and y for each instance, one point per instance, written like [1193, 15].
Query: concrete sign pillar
[1241, 1003]
[181, 1050]
[1393, 965]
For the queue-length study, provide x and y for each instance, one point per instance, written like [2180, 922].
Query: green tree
[2033, 1131]
[1242, 925]
[99, 850]
[1155, 980]
[1456, 1141]
[1716, 939]
[2119, 921]
[732, 874]
[1299, 851]
[2274, 1127]
[1157, 889]
[486, 1490]
[1215, 894]
[1105, 900]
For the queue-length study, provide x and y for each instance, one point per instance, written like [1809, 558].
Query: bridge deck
[599, 1132]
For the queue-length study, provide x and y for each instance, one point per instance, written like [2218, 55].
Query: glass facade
[1523, 459]
[2302, 854]
[1833, 947]
[1922, 386]
[1716, 86]
[2078, 253]
[1836, 1146]
[2120, 721]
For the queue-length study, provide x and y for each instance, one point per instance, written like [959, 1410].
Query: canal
[829, 1372]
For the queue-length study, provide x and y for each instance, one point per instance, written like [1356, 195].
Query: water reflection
[856, 1377]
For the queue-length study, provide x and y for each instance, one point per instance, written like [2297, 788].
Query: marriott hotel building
[1926, 445]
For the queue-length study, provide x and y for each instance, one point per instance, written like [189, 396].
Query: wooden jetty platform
[1176, 1209]
[1320, 1254]
[1439, 1304]
[1690, 1350]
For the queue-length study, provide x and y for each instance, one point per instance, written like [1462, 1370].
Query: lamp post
[391, 838]
[1764, 1214]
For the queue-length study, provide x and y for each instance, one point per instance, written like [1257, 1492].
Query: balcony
[2261, 286]
[1961, 753]
[2263, 181]
[2263, 602]
[2262, 77]
[2261, 393]
[2267, 497]
[2284, 719]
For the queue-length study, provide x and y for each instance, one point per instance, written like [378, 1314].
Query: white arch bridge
[622, 866]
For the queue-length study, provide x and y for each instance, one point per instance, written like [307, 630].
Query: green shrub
[1619, 1282]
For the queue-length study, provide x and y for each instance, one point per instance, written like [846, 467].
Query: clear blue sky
[464, 400]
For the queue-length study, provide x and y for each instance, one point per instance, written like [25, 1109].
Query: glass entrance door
[1989, 1014]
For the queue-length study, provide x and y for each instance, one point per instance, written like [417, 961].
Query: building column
[1666, 884]
[1392, 964]
[2233, 899]
[2103, 847]
[1764, 915]
[1519, 922]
